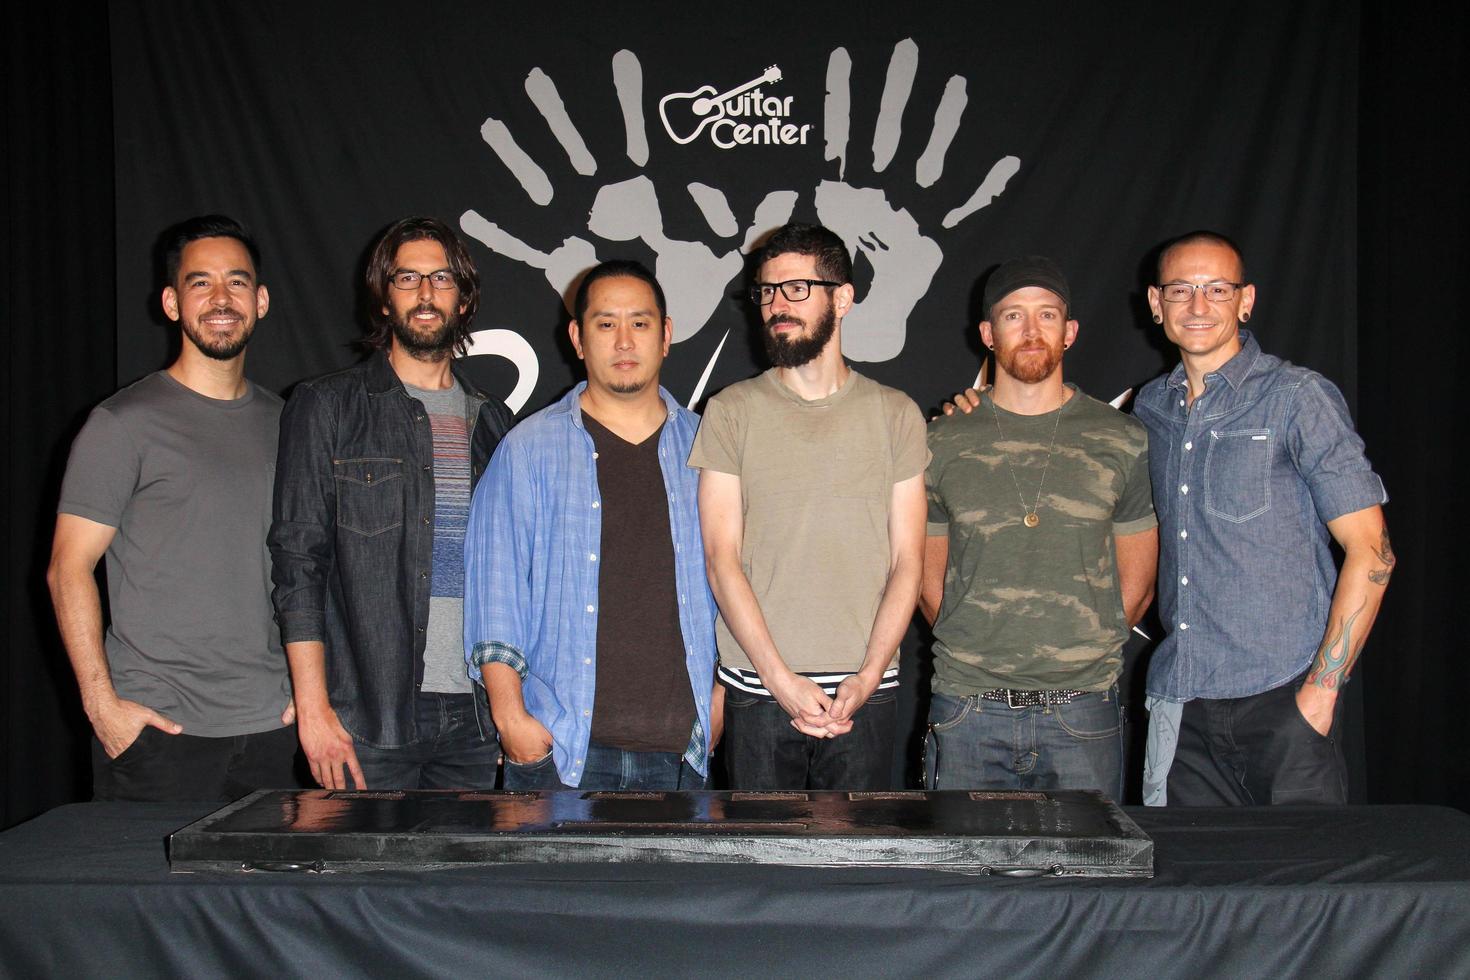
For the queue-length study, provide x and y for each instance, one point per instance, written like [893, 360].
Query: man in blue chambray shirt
[1255, 463]
[598, 681]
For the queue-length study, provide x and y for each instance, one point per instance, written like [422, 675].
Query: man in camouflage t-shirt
[1041, 552]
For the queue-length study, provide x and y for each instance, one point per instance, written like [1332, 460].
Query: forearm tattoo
[1338, 651]
[1384, 553]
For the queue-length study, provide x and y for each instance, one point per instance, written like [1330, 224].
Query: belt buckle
[1011, 698]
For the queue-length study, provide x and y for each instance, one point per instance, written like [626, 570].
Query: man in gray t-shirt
[170, 478]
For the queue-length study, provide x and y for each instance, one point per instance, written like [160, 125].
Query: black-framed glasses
[408, 279]
[1183, 292]
[795, 290]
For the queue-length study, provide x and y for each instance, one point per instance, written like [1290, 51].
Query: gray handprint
[903, 257]
[695, 276]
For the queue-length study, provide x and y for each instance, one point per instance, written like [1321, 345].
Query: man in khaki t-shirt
[812, 506]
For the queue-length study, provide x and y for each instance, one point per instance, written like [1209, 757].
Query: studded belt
[1031, 699]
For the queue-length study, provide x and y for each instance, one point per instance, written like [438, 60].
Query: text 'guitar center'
[742, 116]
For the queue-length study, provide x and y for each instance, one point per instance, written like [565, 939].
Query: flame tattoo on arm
[1338, 652]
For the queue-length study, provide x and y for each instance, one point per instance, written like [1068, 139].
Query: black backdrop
[1313, 134]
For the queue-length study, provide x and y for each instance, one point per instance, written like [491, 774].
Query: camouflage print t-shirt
[1034, 608]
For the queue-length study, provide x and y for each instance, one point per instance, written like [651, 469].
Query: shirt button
[1184, 534]
[595, 505]
[589, 608]
[1184, 488]
[1184, 626]
[585, 713]
[1189, 445]
[423, 574]
[594, 454]
[426, 467]
[586, 660]
[426, 520]
[591, 557]
[1184, 580]
[1181, 403]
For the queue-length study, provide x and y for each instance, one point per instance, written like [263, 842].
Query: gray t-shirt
[444, 663]
[1034, 607]
[816, 481]
[187, 482]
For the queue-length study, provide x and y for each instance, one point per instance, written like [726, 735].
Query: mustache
[781, 318]
[426, 308]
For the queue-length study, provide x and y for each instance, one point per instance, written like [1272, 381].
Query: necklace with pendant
[1032, 519]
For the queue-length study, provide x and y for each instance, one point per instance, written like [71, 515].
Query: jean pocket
[952, 711]
[533, 764]
[136, 747]
[369, 494]
[1299, 721]
[1238, 474]
[741, 700]
[1092, 716]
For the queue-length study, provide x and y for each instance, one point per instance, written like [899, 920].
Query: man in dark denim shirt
[1254, 463]
[373, 482]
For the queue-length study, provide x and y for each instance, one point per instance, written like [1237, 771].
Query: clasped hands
[816, 714]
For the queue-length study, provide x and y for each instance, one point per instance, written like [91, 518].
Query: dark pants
[609, 768]
[763, 752]
[1254, 751]
[163, 768]
[452, 752]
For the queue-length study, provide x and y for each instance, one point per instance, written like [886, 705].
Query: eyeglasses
[1183, 292]
[407, 279]
[795, 290]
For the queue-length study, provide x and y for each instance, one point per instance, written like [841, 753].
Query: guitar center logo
[746, 115]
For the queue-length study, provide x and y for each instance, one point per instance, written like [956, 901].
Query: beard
[426, 343]
[802, 349]
[218, 347]
[1029, 365]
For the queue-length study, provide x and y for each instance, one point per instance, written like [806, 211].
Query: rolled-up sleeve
[303, 516]
[1328, 452]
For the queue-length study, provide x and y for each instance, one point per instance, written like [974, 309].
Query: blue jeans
[763, 752]
[452, 752]
[609, 768]
[979, 744]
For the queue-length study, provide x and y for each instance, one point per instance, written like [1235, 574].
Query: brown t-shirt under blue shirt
[643, 701]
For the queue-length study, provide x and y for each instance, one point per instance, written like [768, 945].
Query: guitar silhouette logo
[705, 106]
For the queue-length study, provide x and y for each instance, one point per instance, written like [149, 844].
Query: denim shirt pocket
[369, 494]
[1238, 474]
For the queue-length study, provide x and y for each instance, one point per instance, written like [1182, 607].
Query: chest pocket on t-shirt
[1238, 474]
[369, 494]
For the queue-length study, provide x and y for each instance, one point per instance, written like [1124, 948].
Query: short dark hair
[380, 269]
[612, 269]
[204, 226]
[1201, 236]
[833, 261]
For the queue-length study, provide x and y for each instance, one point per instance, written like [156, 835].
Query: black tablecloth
[1355, 891]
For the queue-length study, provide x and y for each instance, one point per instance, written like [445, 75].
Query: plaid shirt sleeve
[497, 560]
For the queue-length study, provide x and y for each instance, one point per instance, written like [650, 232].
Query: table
[85, 890]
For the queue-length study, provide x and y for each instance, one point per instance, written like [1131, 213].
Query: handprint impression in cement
[697, 276]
